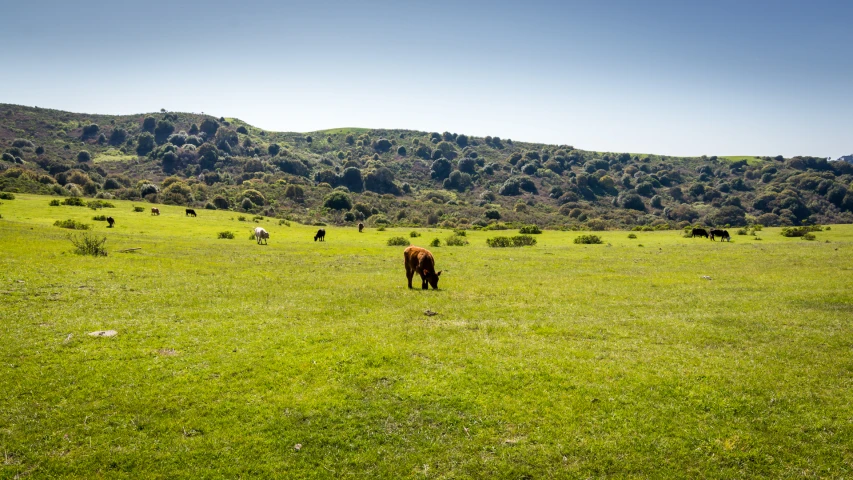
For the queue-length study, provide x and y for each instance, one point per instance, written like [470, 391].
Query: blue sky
[672, 77]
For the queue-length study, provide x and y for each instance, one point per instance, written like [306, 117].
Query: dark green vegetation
[683, 359]
[405, 178]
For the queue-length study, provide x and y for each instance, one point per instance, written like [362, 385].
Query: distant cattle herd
[420, 260]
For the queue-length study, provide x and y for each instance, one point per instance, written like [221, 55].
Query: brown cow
[420, 260]
[155, 211]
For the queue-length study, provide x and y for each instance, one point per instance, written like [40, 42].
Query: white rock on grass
[104, 333]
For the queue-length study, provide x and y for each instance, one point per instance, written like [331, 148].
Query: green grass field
[554, 361]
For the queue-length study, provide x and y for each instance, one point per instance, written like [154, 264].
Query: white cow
[261, 234]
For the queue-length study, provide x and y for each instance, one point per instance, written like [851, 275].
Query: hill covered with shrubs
[403, 177]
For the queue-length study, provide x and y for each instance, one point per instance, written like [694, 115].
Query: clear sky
[745, 77]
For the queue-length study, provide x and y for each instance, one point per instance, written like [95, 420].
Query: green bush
[588, 240]
[742, 231]
[530, 229]
[809, 236]
[516, 241]
[398, 241]
[337, 201]
[227, 235]
[284, 222]
[7, 196]
[89, 244]
[74, 202]
[100, 218]
[459, 232]
[138, 209]
[54, 202]
[96, 204]
[209, 206]
[634, 235]
[799, 231]
[241, 218]
[414, 234]
[435, 243]
[71, 224]
[456, 241]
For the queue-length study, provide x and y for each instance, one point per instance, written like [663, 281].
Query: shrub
[530, 229]
[337, 201]
[209, 206]
[84, 156]
[284, 222]
[96, 204]
[100, 218]
[398, 241]
[54, 203]
[74, 202]
[588, 240]
[459, 232]
[435, 243]
[516, 241]
[71, 224]
[799, 231]
[221, 202]
[492, 214]
[634, 235]
[227, 235]
[809, 236]
[414, 234]
[246, 204]
[89, 244]
[138, 209]
[456, 241]
[144, 144]
[742, 231]
[7, 196]
[254, 196]
[241, 218]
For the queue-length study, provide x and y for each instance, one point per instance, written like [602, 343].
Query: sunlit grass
[558, 360]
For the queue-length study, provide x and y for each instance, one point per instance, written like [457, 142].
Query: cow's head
[432, 278]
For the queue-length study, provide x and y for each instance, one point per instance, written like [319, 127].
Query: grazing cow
[723, 234]
[420, 260]
[190, 212]
[110, 221]
[360, 227]
[261, 234]
[699, 232]
[321, 235]
[155, 211]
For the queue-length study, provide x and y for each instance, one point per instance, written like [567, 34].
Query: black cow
[699, 232]
[723, 234]
[190, 212]
[110, 221]
[360, 227]
[321, 235]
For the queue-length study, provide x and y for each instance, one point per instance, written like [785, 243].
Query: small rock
[706, 277]
[297, 447]
[429, 313]
[68, 338]
[104, 333]
[20, 281]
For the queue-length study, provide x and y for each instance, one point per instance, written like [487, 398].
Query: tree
[458, 181]
[84, 156]
[350, 139]
[440, 169]
[118, 136]
[467, 165]
[633, 201]
[209, 126]
[381, 180]
[90, 130]
[273, 149]
[382, 145]
[510, 187]
[163, 130]
[401, 151]
[337, 201]
[148, 124]
[352, 179]
[462, 141]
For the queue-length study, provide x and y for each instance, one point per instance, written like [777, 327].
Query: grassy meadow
[313, 360]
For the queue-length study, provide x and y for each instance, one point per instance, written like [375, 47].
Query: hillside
[403, 177]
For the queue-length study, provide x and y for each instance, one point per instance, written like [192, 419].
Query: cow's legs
[409, 274]
[424, 285]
